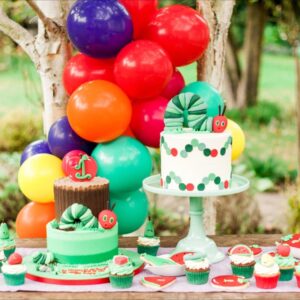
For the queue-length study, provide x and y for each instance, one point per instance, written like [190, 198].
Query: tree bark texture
[211, 68]
[49, 50]
[248, 88]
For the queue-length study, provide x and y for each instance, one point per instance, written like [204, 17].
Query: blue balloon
[131, 210]
[62, 139]
[207, 92]
[125, 162]
[37, 147]
[99, 28]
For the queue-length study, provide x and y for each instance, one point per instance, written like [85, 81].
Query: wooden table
[222, 241]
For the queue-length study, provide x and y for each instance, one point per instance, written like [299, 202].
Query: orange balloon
[99, 111]
[32, 219]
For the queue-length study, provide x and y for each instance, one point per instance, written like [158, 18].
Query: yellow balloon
[37, 175]
[238, 139]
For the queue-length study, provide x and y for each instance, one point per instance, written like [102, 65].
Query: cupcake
[266, 272]
[7, 243]
[14, 271]
[196, 268]
[120, 272]
[285, 261]
[148, 243]
[242, 261]
[297, 274]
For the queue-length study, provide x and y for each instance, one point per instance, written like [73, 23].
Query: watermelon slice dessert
[178, 257]
[240, 250]
[256, 250]
[158, 282]
[293, 240]
[229, 282]
[156, 261]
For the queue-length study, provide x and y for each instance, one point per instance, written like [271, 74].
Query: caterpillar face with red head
[220, 122]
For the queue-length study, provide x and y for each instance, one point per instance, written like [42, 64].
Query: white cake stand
[196, 240]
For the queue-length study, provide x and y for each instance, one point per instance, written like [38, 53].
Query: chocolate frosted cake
[93, 194]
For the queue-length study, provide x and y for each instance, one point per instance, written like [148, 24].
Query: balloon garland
[119, 84]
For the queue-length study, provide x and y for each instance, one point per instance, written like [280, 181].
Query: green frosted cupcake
[285, 261]
[246, 271]
[7, 243]
[14, 271]
[242, 261]
[196, 268]
[120, 272]
[148, 243]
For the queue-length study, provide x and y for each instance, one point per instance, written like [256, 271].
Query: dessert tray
[85, 274]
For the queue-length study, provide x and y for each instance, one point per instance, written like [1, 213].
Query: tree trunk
[54, 52]
[233, 70]
[248, 89]
[211, 69]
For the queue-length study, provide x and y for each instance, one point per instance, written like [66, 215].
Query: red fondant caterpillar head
[220, 121]
[107, 219]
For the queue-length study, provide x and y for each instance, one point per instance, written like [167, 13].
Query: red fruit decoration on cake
[107, 219]
[220, 122]
[80, 167]
[178, 257]
[283, 250]
[293, 240]
[15, 259]
[240, 250]
[229, 282]
[71, 159]
[120, 260]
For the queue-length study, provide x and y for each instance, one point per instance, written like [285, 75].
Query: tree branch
[19, 35]
[48, 23]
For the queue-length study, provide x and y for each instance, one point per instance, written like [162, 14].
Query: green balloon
[131, 210]
[125, 162]
[207, 92]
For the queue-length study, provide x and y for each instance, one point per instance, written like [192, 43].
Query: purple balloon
[37, 147]
[99, 28]
[62, 139]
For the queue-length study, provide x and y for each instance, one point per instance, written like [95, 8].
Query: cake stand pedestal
[196, 240]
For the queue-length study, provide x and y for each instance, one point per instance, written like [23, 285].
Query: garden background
[260, 88]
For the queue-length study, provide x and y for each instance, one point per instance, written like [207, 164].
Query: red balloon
[181, 31]
[175, 85]
[81, 68]
[141, 12]
[32, 219]
[148, 120]
[142, 69]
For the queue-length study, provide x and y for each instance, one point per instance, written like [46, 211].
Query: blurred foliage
[18, 128]
[11, 198]
[191, 3]
[272, 168]
[263, 113]
[166, 224]
[294, 204]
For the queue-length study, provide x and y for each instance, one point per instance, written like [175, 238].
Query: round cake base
[80, 279]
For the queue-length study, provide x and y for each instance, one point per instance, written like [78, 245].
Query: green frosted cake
[77, 236]
[82, 246]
